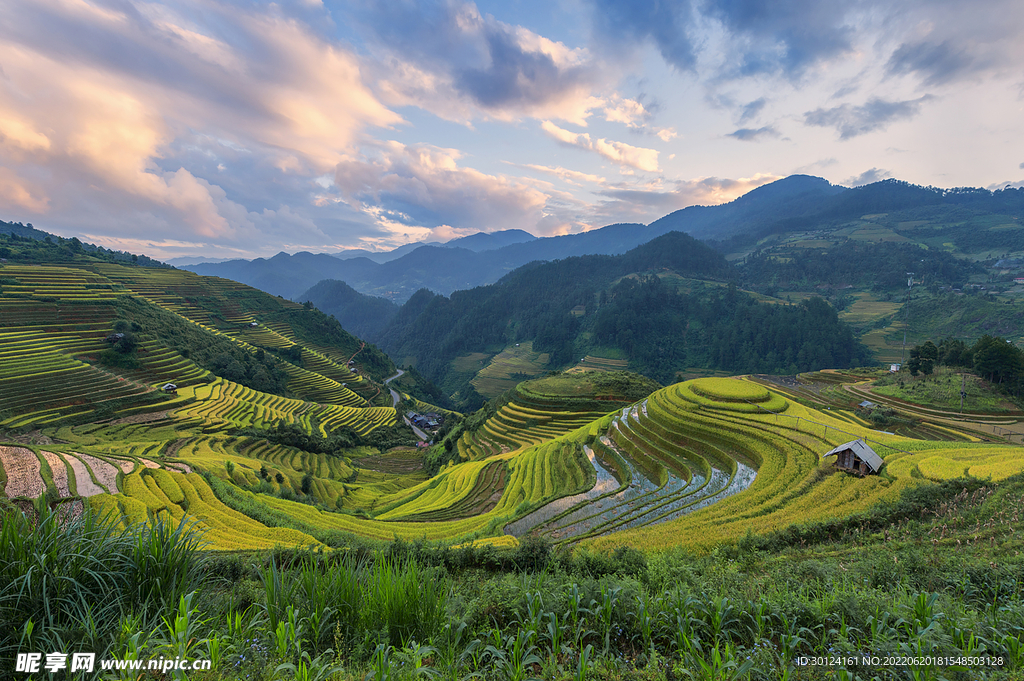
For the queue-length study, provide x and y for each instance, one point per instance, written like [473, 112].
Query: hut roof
[862, 452]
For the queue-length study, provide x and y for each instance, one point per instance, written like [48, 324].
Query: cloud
[617, 152]
[666, 24]
[411, 190]
[938, 63]
[570, 176]
[16, 192]
[648, 203]
[721, 41]
[876, 114]
[119, 114]
[752, 109]
[784, 36]
[754, 134]
[944, 43]
[449, 59]
[635, 116]
[867, 177]
[1021, 166]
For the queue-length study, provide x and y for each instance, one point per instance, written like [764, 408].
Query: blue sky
[240, 129]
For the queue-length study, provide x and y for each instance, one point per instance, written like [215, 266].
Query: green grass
[511, 366]
[942, 389]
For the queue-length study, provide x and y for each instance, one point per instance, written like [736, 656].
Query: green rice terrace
[279, 435]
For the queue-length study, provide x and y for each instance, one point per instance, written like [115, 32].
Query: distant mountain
[489, 241]
[359, 314]
[638, 305]
[382, 256]
[184, 261]
[795, 203]
[484, 258]
[788, 197]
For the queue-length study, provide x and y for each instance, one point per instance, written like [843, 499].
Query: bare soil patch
[60, 473]
[106, 474]
[68, 511]
[140, 418]
[149, 464]
[86, 487]
[23, 472]
[180, 467]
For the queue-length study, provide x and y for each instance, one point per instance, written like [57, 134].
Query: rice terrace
[237, 458]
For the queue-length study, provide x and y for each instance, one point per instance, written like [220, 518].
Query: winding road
[395, 398]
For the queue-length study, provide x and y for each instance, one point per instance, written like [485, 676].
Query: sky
[241, 129]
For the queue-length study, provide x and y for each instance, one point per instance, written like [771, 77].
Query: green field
[716, 484]
[511, 366]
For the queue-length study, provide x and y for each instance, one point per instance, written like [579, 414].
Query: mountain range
[484, 258]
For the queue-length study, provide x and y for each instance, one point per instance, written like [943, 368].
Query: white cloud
[411, 190]
[83, 122]
[618, 152]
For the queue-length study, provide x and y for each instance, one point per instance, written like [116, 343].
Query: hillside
[648, 488]
[363, 315]
[798, 211]
[657, 308]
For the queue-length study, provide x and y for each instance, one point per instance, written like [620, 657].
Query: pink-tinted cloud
[412, 190]
[97, 99]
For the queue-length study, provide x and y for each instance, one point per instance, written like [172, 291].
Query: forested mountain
[881, 267]
[484, 258]
[360, 314]
[567, 306]
[901, 206]
[34, 245]
[793, 204]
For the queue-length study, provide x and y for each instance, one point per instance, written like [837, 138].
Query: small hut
[857, 458]
[170, 388]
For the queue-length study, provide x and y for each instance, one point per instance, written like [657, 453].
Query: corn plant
[511, 662]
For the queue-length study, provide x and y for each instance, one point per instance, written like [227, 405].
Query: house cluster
[430, 420]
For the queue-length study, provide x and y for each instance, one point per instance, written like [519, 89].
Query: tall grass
[403, 602]
[65, 582]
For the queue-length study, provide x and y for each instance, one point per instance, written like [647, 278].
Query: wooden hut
[856, 457]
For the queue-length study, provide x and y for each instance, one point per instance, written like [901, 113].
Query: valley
[661, 402]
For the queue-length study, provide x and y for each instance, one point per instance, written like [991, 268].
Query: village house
[856, 457]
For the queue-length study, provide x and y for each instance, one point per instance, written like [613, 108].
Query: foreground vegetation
[934, 574]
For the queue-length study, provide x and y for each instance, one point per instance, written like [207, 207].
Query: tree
[997, 359]
[929, 354]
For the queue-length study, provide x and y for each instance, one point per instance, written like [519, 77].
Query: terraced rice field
[223, 405]
[602, 364]
[529, 419]
[40, 381]
[693, 464]
[511, 366]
